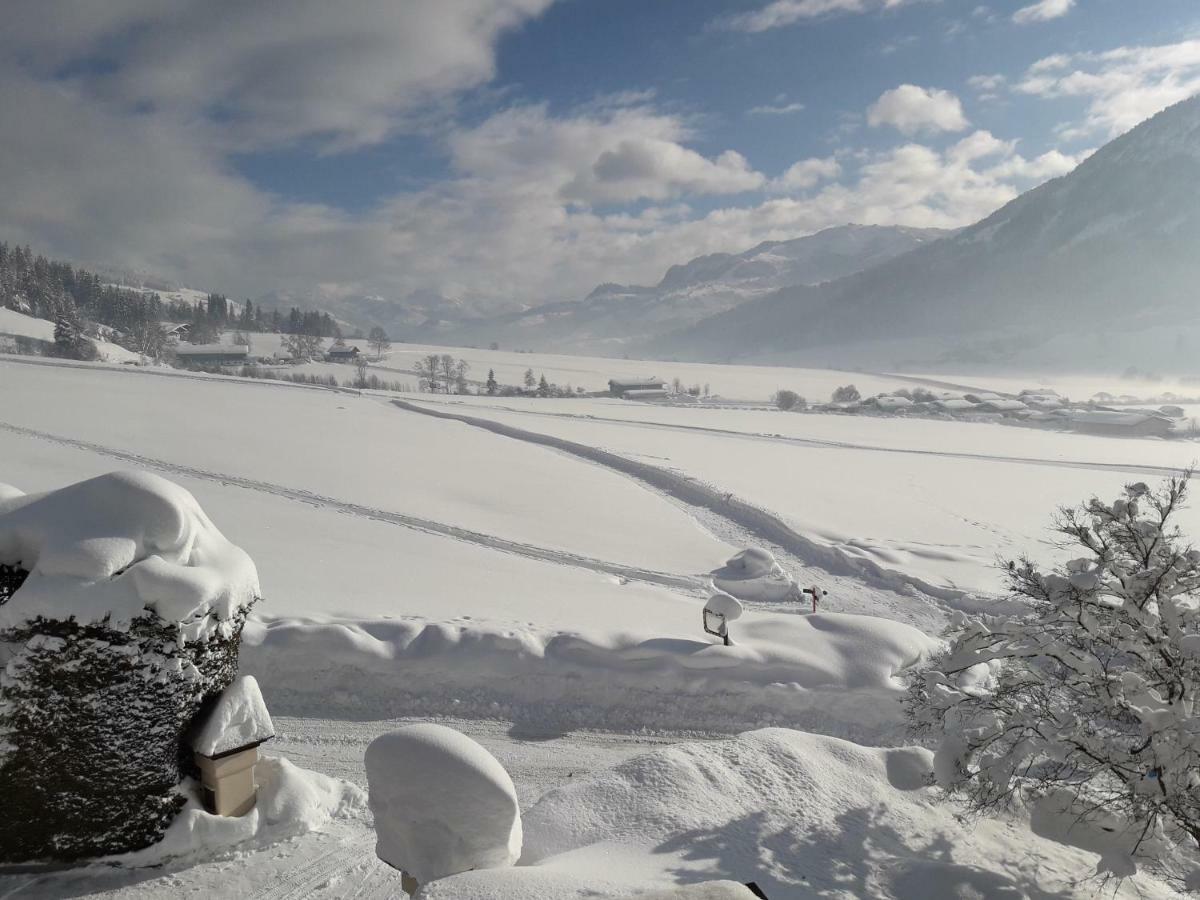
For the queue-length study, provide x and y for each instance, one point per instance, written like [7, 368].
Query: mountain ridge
[1115, 243]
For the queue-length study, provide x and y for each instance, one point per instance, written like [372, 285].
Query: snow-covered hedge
[122, 615]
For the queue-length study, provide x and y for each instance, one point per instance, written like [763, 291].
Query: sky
[514, 152]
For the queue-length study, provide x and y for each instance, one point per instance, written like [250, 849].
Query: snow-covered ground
[936, 500]
[21, 325]
[414, 565]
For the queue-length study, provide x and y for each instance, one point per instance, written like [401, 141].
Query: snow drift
[832, 672]
[291, 801]
[799, 814]
[755, 575]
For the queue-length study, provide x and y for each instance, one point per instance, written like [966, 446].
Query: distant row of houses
[1038, 408]
[237, 355]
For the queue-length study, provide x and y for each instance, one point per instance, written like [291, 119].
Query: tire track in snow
[310, 876]
[755, 520]
[416, 523]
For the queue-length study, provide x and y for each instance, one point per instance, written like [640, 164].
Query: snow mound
[291, 801]
[9, 493]
[238, 719]
[800, 814]
[442, 803]
[724, 605]
[755, 575]
[114, 546]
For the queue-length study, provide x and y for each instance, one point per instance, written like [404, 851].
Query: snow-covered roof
[1002, 405]
[955, 404]
[238, 720]
[634, 383]
[117, 545]
[1113, 418]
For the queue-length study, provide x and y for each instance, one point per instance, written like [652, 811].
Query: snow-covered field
[544, 565]
[939, 501]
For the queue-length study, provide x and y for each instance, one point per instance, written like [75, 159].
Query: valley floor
[535, 571]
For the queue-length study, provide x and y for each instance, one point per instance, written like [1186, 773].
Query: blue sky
[518, 151]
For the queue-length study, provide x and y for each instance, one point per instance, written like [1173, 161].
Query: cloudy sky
[520, 151]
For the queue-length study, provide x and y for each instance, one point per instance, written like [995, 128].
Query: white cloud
[781, 13]
[805, 174]
[779, 109]
[911, 109]
[1042, 11]
[523, 214]
[987, 84]
[516, 236]
[1123, 86]
[603, 156]
[344, 73]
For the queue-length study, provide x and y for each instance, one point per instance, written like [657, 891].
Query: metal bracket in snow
[721, 628]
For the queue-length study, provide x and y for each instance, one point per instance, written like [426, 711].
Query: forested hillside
[78, 301]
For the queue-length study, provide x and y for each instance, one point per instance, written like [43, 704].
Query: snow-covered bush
[442, 803]
[128, 619]
[789, 400]
[847, 393]
[1085, 708]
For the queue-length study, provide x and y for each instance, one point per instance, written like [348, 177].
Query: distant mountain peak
[614, 315]
[1112, 247]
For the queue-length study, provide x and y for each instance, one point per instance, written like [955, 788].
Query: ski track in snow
[492, 542]
[760, 523]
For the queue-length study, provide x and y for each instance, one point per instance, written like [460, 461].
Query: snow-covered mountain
[613, 315]
[1111, 249]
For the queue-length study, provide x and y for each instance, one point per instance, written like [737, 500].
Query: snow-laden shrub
[785, 400]
[1085, 708]
[847, 393]
[128, 621]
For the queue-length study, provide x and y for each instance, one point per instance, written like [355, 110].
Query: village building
[892, 404]
[637, 388]
[212, 355]
[954, 405]
[342, 354]
[1002, 405]
[1119, 424]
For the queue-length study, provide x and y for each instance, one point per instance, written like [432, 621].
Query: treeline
[49, 289]
[77, 301]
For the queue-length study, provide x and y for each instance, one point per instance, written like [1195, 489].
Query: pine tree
[543, 387]
[491, 385]
[530, 381]
[69, 339]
